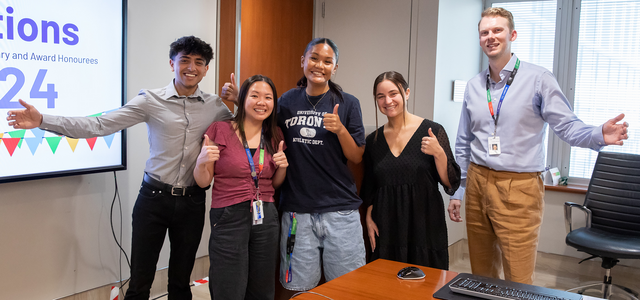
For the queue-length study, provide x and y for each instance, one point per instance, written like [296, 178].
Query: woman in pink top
[245, 157]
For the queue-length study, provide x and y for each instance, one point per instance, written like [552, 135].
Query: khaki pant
[504, 213]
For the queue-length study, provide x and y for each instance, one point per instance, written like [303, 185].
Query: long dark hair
[270, 124]
[402, 85]
[333, 87]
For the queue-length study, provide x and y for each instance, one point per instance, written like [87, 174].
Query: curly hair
[191, 45]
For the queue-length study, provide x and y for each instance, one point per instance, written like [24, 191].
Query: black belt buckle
[178, 191]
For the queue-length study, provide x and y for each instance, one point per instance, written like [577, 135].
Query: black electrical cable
[122, 251]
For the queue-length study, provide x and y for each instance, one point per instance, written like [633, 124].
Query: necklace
[314, 106]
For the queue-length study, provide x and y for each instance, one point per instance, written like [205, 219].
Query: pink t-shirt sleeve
[216, 133]
[280, 137]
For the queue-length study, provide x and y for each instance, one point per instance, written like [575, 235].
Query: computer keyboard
[496, 289]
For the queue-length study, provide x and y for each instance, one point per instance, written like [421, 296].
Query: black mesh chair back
[614, 193]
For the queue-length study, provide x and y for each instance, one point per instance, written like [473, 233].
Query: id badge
[258, 212]
[494, 145]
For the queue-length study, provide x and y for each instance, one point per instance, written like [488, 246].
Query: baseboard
[458, 251]
[159, 287]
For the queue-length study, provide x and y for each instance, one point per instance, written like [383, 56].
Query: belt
[506, 172]
[171, 190]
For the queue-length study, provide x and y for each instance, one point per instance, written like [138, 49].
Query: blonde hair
[498, 12]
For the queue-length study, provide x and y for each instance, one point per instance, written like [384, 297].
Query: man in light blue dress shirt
[499, 148]
[169, 200]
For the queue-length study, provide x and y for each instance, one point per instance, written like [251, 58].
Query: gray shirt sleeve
[132, 113]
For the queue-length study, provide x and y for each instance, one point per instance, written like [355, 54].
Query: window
[596, 63]
[607, 74]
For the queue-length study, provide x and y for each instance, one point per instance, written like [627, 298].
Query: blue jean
[332, 240]
[153, 215]
[243, 256]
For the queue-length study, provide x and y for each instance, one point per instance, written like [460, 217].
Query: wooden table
[378, 280]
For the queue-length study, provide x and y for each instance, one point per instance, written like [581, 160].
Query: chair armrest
[567, 215]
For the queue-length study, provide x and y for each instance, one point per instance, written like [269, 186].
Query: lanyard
[291, 239]
[254, 175]
[504, 93]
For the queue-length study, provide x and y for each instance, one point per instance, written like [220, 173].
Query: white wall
[56, 237]
[458, 57]
[424, 62]
[368, 45]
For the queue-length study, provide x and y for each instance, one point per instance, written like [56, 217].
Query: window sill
[571, 188]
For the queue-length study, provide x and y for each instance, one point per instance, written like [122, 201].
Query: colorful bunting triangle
[92, 142]
[53, 142]
[10, 144]
[33, 144]
[109, 139]
[73, 143]
[38, 133]
[18, 134]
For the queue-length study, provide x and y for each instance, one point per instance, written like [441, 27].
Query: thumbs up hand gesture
[332, 121]
[209, 152]
[430, 144]
[230, 90]
[279, 158]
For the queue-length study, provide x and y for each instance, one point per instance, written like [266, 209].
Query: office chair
[612, 209]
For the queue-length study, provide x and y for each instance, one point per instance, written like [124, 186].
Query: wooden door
[273, 36]
[226, 56]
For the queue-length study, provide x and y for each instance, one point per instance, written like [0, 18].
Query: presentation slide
[64, 57]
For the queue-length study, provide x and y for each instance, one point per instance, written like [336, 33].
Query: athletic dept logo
[307, 132]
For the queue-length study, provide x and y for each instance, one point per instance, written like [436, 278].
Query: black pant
[154, 213]
[243, 256]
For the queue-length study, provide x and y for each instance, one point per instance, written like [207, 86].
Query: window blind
[607, 74]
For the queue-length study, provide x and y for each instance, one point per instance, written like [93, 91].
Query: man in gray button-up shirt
[177, 116]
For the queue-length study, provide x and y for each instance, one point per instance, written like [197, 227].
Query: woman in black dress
[405, 159]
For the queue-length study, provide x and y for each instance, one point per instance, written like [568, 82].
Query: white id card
[258, 212]
[494, 145]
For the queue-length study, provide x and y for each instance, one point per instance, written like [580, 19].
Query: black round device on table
[410, 272]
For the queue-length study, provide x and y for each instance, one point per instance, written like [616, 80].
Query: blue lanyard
[504, 93]
[254, 174]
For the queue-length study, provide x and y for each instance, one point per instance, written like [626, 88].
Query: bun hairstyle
[402, 85]
[270, 124]
[333, 87]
